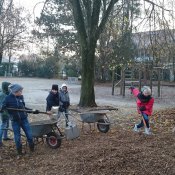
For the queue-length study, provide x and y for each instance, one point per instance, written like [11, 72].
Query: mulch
[120, 151]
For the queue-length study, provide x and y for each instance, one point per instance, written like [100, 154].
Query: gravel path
[36, 90]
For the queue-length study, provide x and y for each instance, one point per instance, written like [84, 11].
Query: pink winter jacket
[148, 105]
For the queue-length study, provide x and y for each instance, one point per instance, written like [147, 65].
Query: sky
[33, 6]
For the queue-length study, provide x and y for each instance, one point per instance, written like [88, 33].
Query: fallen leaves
[120, 151]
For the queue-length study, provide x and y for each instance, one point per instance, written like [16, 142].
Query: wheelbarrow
[99, 117]
[46, 129]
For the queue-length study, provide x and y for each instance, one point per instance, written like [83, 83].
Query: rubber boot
[19, 151]
[31, 147]
[67, 120]
[67, 124]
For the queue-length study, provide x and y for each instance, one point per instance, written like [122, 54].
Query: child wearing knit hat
[52, 99]
[145, 103]
[19, 119]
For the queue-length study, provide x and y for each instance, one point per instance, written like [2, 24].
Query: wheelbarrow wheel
[103, 127]
[53, 140]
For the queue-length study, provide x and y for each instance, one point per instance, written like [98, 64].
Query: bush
[39, 68]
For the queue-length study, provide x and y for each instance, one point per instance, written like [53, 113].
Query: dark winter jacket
[17, 102]
[3, 94]
[52, 100]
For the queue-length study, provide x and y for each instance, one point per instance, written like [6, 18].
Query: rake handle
[25, 110]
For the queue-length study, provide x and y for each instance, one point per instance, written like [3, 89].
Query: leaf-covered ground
[120, 151]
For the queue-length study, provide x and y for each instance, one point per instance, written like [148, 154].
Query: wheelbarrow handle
[25, 110]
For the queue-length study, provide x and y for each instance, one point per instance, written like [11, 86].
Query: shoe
[7, 139]
[1, 144]
[19, 151]
[135, 128]
[32, 147]
[147, 131]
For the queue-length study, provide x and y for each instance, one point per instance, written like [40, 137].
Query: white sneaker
[135, 128]
[147, 131]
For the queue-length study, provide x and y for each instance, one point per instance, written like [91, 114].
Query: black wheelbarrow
[48, 130]
[98, 117]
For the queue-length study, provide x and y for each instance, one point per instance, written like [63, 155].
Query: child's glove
[142, 108]
[66, 104]
[131, 88]
[35, 111]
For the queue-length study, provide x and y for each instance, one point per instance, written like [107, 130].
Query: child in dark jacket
[52, 99]
[144, 106]
[4, 115]
[18, 117]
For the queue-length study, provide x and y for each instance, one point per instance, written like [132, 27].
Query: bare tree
[12, 24]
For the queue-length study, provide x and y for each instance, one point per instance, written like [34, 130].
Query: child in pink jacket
[144, 106]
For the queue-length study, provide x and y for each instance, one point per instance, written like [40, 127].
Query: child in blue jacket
[18, 117]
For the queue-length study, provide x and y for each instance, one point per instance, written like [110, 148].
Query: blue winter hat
[15, 88]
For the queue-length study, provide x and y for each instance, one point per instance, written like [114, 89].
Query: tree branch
[78, 18]
[87, 6]
[154, 4]
[105, 18]
[95, 15]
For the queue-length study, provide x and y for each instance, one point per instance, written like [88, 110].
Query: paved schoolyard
[36, 90]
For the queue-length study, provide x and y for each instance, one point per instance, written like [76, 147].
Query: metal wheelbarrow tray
[99, 117]
[46, 129]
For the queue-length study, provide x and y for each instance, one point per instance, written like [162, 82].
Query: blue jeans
[3, 129]
[146, 118]
[24, 124]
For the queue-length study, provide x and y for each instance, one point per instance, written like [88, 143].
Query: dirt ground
[120, 151]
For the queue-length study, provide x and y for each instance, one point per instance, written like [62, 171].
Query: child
[144, 105]
[52, 99]
[4, 115]
[64, 101]
[18, 118]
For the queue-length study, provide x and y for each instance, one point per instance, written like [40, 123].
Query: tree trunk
[86, 17]
[87, 97]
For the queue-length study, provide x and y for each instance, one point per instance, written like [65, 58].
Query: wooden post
[151, 80]
[159, 78]
[113, 74]
[144, 76]
[123, 83]
[140, 79]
